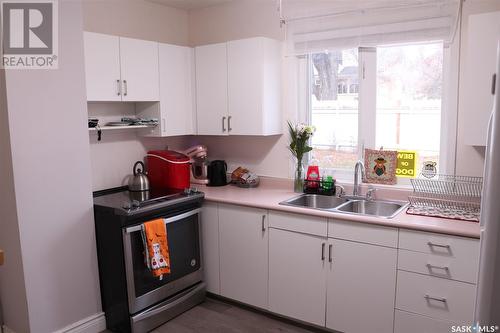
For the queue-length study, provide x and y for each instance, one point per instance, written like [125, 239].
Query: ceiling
[190, 4]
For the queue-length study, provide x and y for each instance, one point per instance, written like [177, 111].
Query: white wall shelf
[113, 128]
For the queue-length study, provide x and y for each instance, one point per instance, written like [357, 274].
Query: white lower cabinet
[361, 287]
[297, 275]
[405, 322]
[348, 277]
[210, 246]
[436, 297]
[243, 246]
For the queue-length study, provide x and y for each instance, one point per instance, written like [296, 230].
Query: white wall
[52, 180]
[136, 19]
[13, 301]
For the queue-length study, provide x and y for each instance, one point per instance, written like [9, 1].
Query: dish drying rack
[453, 197]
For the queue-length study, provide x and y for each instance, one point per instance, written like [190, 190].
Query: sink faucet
[357, 186]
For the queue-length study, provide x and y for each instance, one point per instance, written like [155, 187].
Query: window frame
[367, 107]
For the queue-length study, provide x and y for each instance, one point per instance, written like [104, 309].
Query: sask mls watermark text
[29, 34]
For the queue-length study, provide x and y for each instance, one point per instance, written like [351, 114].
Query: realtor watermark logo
[29, 34]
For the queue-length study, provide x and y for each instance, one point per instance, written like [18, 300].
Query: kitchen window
[388, 96]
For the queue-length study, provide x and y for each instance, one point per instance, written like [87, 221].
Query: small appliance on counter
[168, 169]
[139, 182]
[217, 173]
[199, 164]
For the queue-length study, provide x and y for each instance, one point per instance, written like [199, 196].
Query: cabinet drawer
[447, 267]
[299, 223]
[466, 249]
[362, 232]
[405, 322]
[435, 297]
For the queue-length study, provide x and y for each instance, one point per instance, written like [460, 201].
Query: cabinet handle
[438, 299]
[125, 86]
[223, 124]
[323, 251]
[430, 266]
[263, 223]
[118, 88]
[438, 245]
[330, 259]
[229, 129]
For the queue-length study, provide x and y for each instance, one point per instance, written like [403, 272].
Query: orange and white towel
[156, 252]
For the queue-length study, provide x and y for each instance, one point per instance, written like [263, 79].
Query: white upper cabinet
[211, 89]
[139, 70]
[238, 87]
[254, 89]
[479, 63]
[176, 90]
[102, 67]
[121, 69]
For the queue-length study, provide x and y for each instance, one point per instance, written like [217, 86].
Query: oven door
[143, 288]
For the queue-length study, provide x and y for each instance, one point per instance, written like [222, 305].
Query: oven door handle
[167, 220]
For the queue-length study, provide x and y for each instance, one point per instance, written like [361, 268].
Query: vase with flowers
[299, 146]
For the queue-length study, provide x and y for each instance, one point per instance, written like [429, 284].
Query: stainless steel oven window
[140, 302]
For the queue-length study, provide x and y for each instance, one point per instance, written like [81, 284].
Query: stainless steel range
[133, 299]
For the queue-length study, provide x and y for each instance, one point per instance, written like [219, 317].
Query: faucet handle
[370, 193]
[342, 190]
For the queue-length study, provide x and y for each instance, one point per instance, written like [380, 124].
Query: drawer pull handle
[323, 251]
[263, 223]
[438, 299]
[438, 245]
[330, 259]
[430, 266]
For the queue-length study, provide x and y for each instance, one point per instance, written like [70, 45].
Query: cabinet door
[479, 64]
[102, 67]
[245, 90]
[361, 287]
[176, 90]
[297, 275]
[210, 246]
[254, 76]
[139, 70]
[243, 254]
[211, 89]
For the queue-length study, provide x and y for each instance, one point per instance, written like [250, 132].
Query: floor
[214, 316]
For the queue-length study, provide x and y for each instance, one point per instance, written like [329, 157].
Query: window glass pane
[334, 108]
[409, 90]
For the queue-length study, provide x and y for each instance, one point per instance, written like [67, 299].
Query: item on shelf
[217, 173]
[168, 169]
[199, 164]
[93, 122]
[447, 196]
[380, 166]
[139, 181]
[140, 121]
[312, 178]
[244, 178]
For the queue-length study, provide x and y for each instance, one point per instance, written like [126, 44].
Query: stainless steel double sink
[349, 205]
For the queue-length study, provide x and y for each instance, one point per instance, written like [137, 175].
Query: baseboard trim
[5, 329]
[93, 324]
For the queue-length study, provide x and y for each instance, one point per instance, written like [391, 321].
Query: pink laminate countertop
[272, 191]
